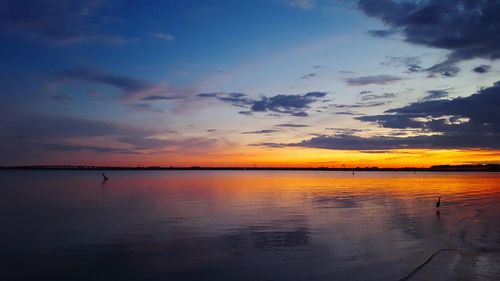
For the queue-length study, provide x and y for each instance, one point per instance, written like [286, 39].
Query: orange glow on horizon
[296, 157]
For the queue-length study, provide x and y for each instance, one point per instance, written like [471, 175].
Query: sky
[299, 83]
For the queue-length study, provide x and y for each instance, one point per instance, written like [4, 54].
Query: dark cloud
[211, 130]
[472, 120]
[347, 113]
[207, 95]
[309, 75]
[382, 32]
[156, 98]
[291, 125]
[375, 79]
[295, 105]
[130, 88]
[61, 21]
[468, 29]
[365, 92]
[371, 97]
[483, 68]
[269, 144]
[362, 104]
[248, 113]
[461, 123]
[345, 131]
[269, 131]
[435, 95]
[446, 69]
[128, 85]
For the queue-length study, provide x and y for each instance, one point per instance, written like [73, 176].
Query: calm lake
[248, 225]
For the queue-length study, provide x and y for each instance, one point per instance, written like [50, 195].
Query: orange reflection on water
[221, 225]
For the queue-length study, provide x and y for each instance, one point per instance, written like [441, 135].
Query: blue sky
[167, 79]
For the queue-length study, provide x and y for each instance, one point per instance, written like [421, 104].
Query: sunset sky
[250, 83]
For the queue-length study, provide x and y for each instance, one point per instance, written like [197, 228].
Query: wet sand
[473, 249]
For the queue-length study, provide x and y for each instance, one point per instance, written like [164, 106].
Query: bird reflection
[438, 204]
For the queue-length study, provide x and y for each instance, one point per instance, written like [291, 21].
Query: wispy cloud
[370, 97]
[301, 4]
[309, 75]
[131, 88]
[435, 95]
[162, 36]
[292, 125]
[375, 79]
[268, 131]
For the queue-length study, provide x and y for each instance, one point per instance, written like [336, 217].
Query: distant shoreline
[440, 168]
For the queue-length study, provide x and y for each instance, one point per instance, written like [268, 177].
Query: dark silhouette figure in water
[104, 178]
[438, 203]
[353, 173]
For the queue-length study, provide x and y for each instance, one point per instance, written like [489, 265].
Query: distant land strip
[437, 168]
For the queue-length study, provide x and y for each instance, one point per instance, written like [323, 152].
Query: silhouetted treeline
[437, 168]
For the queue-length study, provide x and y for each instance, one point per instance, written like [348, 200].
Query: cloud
[435, 95]
[131, 88]
[295, 105]
[472, 120]
[291, 125]
[446, 69]
[62, 98]
[411, 63]
[461, 123]
[61, 22]
[468, 29]
[345, 131]
[382, 32]
[156, 98]
[483, 68]
[92, 148]
[347, 113]
[370, 97]
[269, 131]
[144, 107]
[309, 75]
[162, 36]
[23, 136]
[375, 79]
[128, 85]
[301, 4]
[362, 104]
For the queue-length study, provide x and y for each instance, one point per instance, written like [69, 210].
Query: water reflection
[217, 225]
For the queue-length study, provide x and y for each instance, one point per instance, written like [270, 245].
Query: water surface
[244, 225]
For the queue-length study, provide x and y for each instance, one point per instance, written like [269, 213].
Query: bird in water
[438, 203]
[104, 178]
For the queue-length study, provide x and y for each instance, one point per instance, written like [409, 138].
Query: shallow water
[240, 225]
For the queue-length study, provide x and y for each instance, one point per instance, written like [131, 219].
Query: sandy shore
[473, 250]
